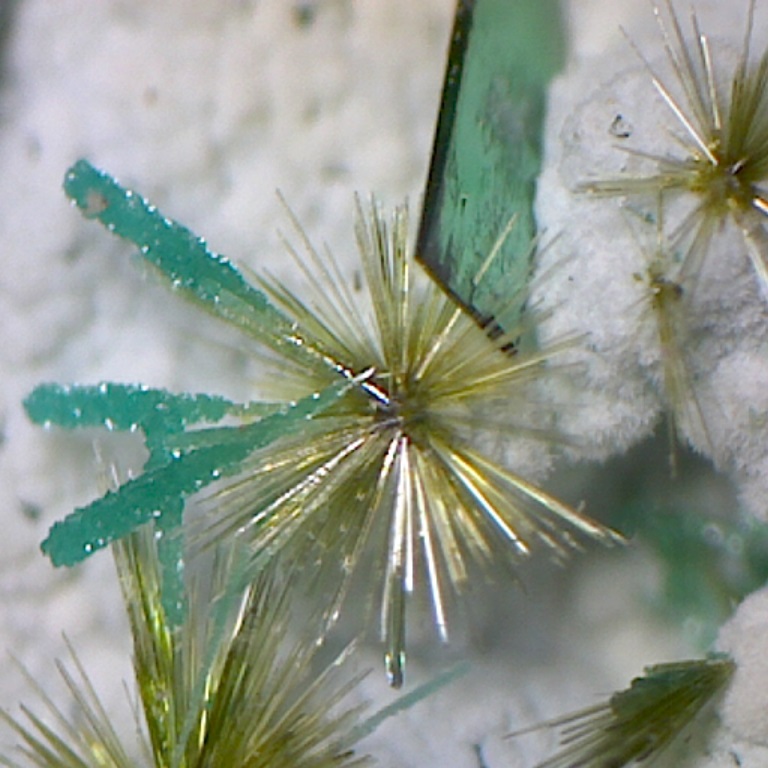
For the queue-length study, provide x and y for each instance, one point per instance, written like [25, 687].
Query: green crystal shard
[213, 454]
[487, 152]
[367, 727]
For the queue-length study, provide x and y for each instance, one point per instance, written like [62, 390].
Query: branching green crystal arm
[182, 258]
[162, 490]
[159, 414]
[487, 152]
[127, 407]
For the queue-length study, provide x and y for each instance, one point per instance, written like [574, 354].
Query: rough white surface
[604, 249]
[208, 108]
[743, 710]
[611, 127]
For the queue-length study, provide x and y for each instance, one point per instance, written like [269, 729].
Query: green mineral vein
[487, 152]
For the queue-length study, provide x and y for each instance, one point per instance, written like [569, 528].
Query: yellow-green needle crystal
[229, 688]
[638, 724]
[382, 472]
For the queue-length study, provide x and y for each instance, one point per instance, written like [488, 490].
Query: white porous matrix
[674, 323]
[701, 356]
[207, 108]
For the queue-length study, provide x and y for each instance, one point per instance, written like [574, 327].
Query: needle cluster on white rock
[207, 108]
[700, 360]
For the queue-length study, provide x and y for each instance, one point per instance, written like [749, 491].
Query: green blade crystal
[161, 491]
[487, 152]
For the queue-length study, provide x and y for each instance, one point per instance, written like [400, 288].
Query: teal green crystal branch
[124, 407]
[157, 413]
[207, 456]
[183, 258]
[185, 262]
